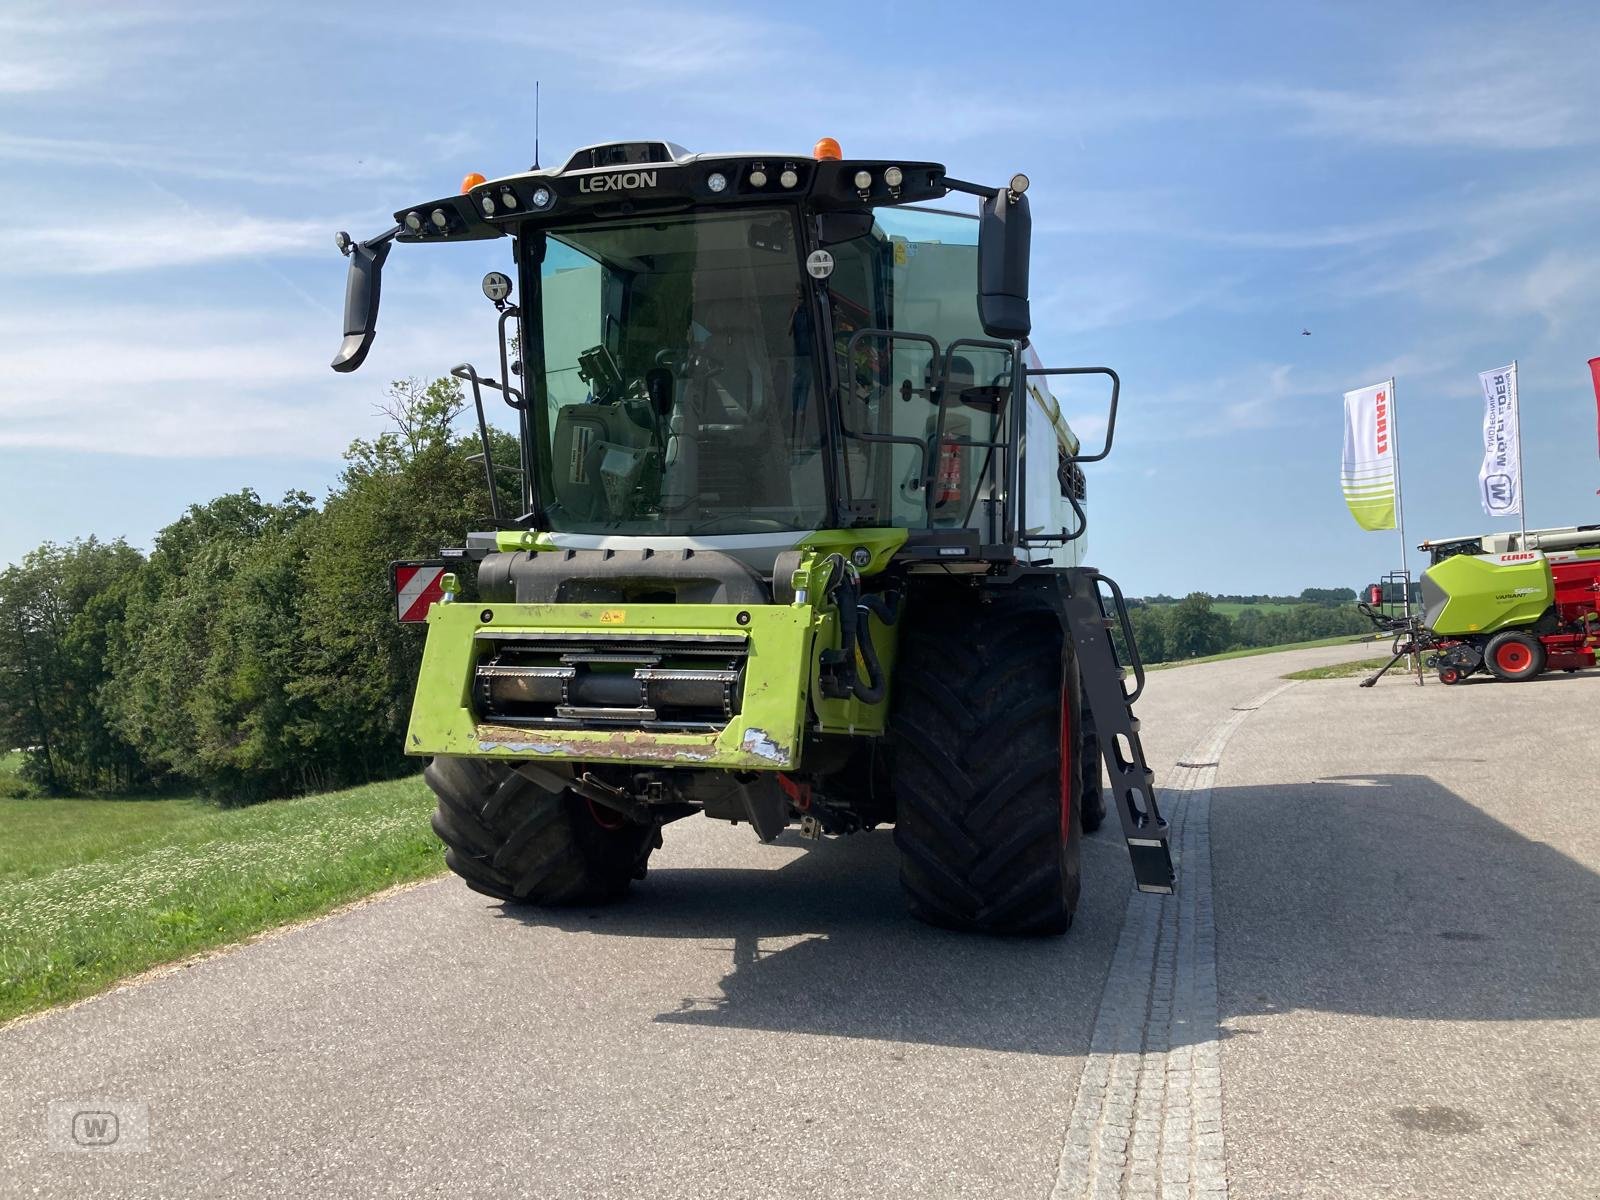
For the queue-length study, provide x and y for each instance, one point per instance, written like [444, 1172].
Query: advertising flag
[1368, 469]
[1594, 370]
[1500, 476]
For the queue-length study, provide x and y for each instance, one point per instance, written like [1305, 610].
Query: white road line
[1147, 1118]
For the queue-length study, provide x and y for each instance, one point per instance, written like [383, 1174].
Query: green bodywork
[1468, 594]
[782, 699]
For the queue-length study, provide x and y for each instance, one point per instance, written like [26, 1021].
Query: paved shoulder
[1407, 902]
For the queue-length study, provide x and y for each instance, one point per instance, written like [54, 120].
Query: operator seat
[737, 411]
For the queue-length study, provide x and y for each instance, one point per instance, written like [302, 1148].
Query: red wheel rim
[1513, 657]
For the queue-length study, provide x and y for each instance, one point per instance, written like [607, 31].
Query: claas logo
[1383, 423]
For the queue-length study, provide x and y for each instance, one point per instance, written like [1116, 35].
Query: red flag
[1594, 369]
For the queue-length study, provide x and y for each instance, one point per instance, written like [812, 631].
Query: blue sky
[1415, 184]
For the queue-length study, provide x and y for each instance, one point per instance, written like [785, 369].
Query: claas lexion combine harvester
[1506, 604]
[799, 539]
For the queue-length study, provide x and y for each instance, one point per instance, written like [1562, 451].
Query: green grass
[1362, 666]
[1232, 608]
[1343, 639]
[11, 782]
[92, 891]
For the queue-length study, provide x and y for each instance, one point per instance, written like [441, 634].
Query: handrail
[469, 373]
[1111, 419]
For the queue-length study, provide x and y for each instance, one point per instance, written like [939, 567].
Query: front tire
[510, 838]
[1092, 805]
[985, 734]
[1514, 656]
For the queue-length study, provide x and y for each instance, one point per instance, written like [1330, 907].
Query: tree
[402, 495]
[204, 656]
[58, 609]
[1193, 630]
[1149, 631]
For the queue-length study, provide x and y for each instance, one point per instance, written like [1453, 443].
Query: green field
[1232, 608]
[1343, 639]
[92, 891]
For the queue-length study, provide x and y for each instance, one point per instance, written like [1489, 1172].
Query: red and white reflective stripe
[418, 589]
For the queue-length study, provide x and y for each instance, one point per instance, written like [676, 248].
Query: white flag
[1367, 470]
[1500, 477]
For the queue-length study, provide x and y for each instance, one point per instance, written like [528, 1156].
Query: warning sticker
[580, 454]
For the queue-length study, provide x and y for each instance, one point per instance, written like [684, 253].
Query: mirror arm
[971, 189]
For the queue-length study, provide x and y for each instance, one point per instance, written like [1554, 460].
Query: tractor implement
[798, 537]
[1508, 605]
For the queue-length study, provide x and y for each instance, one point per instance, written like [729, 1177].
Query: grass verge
[92, 891]
[1361, 666]
[1343, 639]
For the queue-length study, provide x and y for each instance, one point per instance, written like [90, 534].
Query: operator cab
[761, 343]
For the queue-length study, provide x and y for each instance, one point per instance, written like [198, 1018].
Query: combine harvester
[798, 537]
[1504, 605]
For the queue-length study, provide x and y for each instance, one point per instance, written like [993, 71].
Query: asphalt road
[1405, 907]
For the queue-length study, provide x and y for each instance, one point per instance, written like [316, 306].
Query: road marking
[1147, 1119]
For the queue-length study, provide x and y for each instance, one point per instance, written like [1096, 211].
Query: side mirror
[360, 299]
[1005, 233]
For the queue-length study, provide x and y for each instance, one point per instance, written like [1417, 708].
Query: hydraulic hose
[856, 610]
[887, 611]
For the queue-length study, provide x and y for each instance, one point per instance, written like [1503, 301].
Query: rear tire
[985, 734]
[510, 838]
[1514, 656]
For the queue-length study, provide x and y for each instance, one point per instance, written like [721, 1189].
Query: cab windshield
[678, 380]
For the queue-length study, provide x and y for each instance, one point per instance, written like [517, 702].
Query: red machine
[1577, 582]
[1568, 631]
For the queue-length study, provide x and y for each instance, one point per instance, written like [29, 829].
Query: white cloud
[194, 383]
[1092, 297]
[1501, 88]
[159, 240]
[211, 162]
[53, 47]
[661, 45]
[1552, 287]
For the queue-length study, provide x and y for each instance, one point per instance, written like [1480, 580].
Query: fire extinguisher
[948, 477]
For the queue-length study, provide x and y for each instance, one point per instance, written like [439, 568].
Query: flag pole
[1399, 498]
[1400, 519]
[1522, 479]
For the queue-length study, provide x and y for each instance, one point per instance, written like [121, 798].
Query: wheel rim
[1513, 657]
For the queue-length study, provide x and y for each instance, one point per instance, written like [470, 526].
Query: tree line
[1311, 595]
[1192, 628]
[253, 652]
